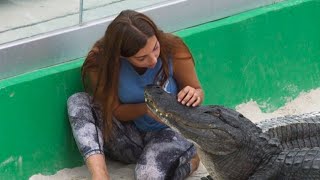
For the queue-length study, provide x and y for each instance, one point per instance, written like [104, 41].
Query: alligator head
[216, 129]
[228, 141]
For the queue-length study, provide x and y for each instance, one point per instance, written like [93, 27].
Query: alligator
[233, 147]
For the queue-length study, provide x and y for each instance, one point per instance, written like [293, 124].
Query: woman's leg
[85, 128]
[125, 143]
[87, 134]
[167, 155]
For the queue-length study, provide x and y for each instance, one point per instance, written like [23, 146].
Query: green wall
[269, 55]
[35, 135]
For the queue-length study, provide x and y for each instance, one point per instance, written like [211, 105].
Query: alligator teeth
[157, 110]
[160, 114]
[167, 115]
[165, 120]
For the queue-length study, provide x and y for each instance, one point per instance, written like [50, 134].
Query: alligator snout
[153, 89]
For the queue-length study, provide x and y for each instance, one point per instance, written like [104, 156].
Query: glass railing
[22, 19]
[40, 33]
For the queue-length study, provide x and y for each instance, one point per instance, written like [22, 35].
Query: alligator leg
[207, 178]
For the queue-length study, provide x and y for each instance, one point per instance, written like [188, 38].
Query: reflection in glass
[97, 9]
[26, 18]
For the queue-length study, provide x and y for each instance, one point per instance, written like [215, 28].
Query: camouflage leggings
[158, 155]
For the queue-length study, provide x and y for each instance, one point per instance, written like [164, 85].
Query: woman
[112, 119]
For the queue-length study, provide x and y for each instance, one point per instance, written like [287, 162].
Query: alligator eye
[214, 113]
[217, 113]
[240, 115]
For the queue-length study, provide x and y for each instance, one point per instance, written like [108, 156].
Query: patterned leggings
[158, 155]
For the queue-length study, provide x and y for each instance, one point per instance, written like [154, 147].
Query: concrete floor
[26, 18]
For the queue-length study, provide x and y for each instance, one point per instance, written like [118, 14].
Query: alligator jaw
[167, 118]
[207, 130]
[168, 109]
[158, 112]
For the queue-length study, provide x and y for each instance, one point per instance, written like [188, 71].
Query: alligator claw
[207, 178]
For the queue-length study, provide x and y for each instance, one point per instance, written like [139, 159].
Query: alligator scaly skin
[234, 148]
[294, 131]
[291, 164]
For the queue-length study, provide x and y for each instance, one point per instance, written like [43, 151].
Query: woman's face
[147, 57]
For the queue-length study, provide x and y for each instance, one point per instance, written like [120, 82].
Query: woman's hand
[190, 96]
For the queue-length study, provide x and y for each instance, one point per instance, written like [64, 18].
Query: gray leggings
[158, 155]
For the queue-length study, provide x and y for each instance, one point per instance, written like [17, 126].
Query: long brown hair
[125, 36]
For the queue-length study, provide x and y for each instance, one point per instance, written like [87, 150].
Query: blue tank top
[131, 90]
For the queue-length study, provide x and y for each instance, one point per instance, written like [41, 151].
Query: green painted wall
[269, 55]
[34, 133]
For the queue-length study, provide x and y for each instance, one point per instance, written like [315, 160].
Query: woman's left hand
[190, 96]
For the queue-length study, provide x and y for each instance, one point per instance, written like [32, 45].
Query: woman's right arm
[129, 112]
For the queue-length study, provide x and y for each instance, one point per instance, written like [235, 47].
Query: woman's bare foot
[97, 166]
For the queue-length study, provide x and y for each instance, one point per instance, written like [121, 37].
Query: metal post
[80, 12]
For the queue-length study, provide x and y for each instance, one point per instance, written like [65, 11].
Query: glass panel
[96, 9]
[26, 18]
[17, 16]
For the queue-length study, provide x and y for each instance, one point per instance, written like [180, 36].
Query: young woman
[112, 119]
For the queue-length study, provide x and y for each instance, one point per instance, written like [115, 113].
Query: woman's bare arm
[191, 93]
[129, 112]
